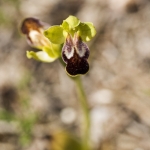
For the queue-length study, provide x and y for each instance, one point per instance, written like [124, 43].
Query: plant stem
[85, 109]
[84, 106]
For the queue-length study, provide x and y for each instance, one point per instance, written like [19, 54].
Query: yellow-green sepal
[54, 51]
[40, 56]
[87, 31]
[55, 34]
[67, 28]
[72, 21]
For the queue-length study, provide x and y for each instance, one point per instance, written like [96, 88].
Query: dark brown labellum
[75, 54]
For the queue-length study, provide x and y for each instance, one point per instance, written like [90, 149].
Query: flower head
[33, 29]
[66, 40]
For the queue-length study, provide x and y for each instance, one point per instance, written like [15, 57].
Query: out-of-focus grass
[22, 116]
[13, 2]
[3, 19]
[7, 116]
[6, 19]
[26, 120]
[26, 125]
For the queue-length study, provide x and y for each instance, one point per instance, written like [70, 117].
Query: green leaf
[7, 116]
[87, 31]
[40, 56]
[73, 21]
[55, 34]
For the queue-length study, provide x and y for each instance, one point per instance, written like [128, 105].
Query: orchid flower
[33, 29]
[66, 40]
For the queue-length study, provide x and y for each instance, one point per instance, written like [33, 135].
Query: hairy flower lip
[77, 66]
[75, 54]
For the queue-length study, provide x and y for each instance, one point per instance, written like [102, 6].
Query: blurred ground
[41, 98]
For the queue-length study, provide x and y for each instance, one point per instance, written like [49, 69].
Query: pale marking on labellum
[69, 54]
[81, 52]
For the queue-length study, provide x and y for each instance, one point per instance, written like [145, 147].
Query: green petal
[73, 21]
[65, 26]
[40, 56]
[91, 26]
[87, 31]
[65, 34]
[55, 34]
[68, 29]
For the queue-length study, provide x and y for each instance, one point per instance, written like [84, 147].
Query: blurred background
[37, 100]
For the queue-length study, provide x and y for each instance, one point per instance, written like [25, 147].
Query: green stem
[85, 109]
